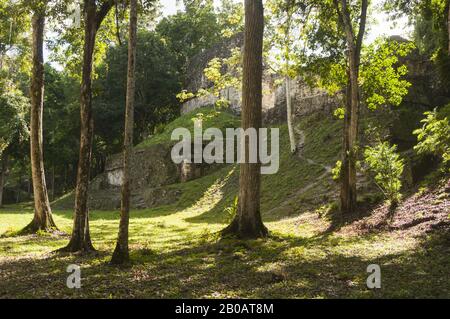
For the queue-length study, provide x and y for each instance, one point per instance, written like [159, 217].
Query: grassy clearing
[174, 257]
[176, 252]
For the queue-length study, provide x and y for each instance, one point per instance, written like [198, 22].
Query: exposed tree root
[245, 230]
[120, 256]
[47, 226]
[78, 245]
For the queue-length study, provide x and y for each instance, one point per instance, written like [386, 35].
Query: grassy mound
[209, 117]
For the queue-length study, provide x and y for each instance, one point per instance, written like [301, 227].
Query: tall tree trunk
[248, 222]
[346, 194]
[3, 174]
[121, 253]
[354, 45]
[289, 115]
[348, 186]
[288, 85]
[43, 219]
[81, 239]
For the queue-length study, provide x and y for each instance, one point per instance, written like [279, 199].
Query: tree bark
[43, 220]
[288, 86]
[121, 253]
[354, 44]
[289, 115]
[81, 239]
[248, 222]
[3, 174]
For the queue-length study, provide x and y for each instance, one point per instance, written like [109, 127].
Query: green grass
[173, 257]
[210, 118]
[176, 252]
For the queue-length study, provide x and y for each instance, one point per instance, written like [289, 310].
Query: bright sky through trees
[383, 25]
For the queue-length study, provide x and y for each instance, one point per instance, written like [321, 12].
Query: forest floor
[177, 254]
[312, 252]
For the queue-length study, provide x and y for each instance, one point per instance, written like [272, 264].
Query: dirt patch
[418, 214]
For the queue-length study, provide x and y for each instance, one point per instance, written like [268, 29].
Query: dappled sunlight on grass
[174, 258]
[176, 251]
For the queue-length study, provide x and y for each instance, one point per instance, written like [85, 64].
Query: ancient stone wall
[305, 99]
[424, 94]
[153, 169]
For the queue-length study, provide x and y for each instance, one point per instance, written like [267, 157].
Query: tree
[224, 74]
[157, 83]
[434, 136]
[248, 222]
[188, 33]
[386, 166]
[288, 19]
[14, 62]
[13, 127]
[354, 45]
[14, 21]
[369, 75]
[43, 219]
[431, 19]
[94, 14]
[121, 254]
[231, 17]
[61, 126]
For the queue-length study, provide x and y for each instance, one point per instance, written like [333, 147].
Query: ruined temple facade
[153, 171]
[424, 93]
[304, 98]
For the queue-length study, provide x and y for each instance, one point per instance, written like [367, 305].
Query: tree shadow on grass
[280, 267]
[275, 205]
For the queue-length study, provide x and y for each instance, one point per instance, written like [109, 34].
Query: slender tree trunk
[81, 239]
[348, 187]
[3, 174]
[346, 193]
[121, 253]
[43, 219]
[289, 115]
[350, 151]
[288, 86]
[248, 222]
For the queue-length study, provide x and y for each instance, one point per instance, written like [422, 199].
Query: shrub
[387, 167]
[232, 210]
[434, 136]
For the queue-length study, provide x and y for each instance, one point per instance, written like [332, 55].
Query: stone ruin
[153, 169]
